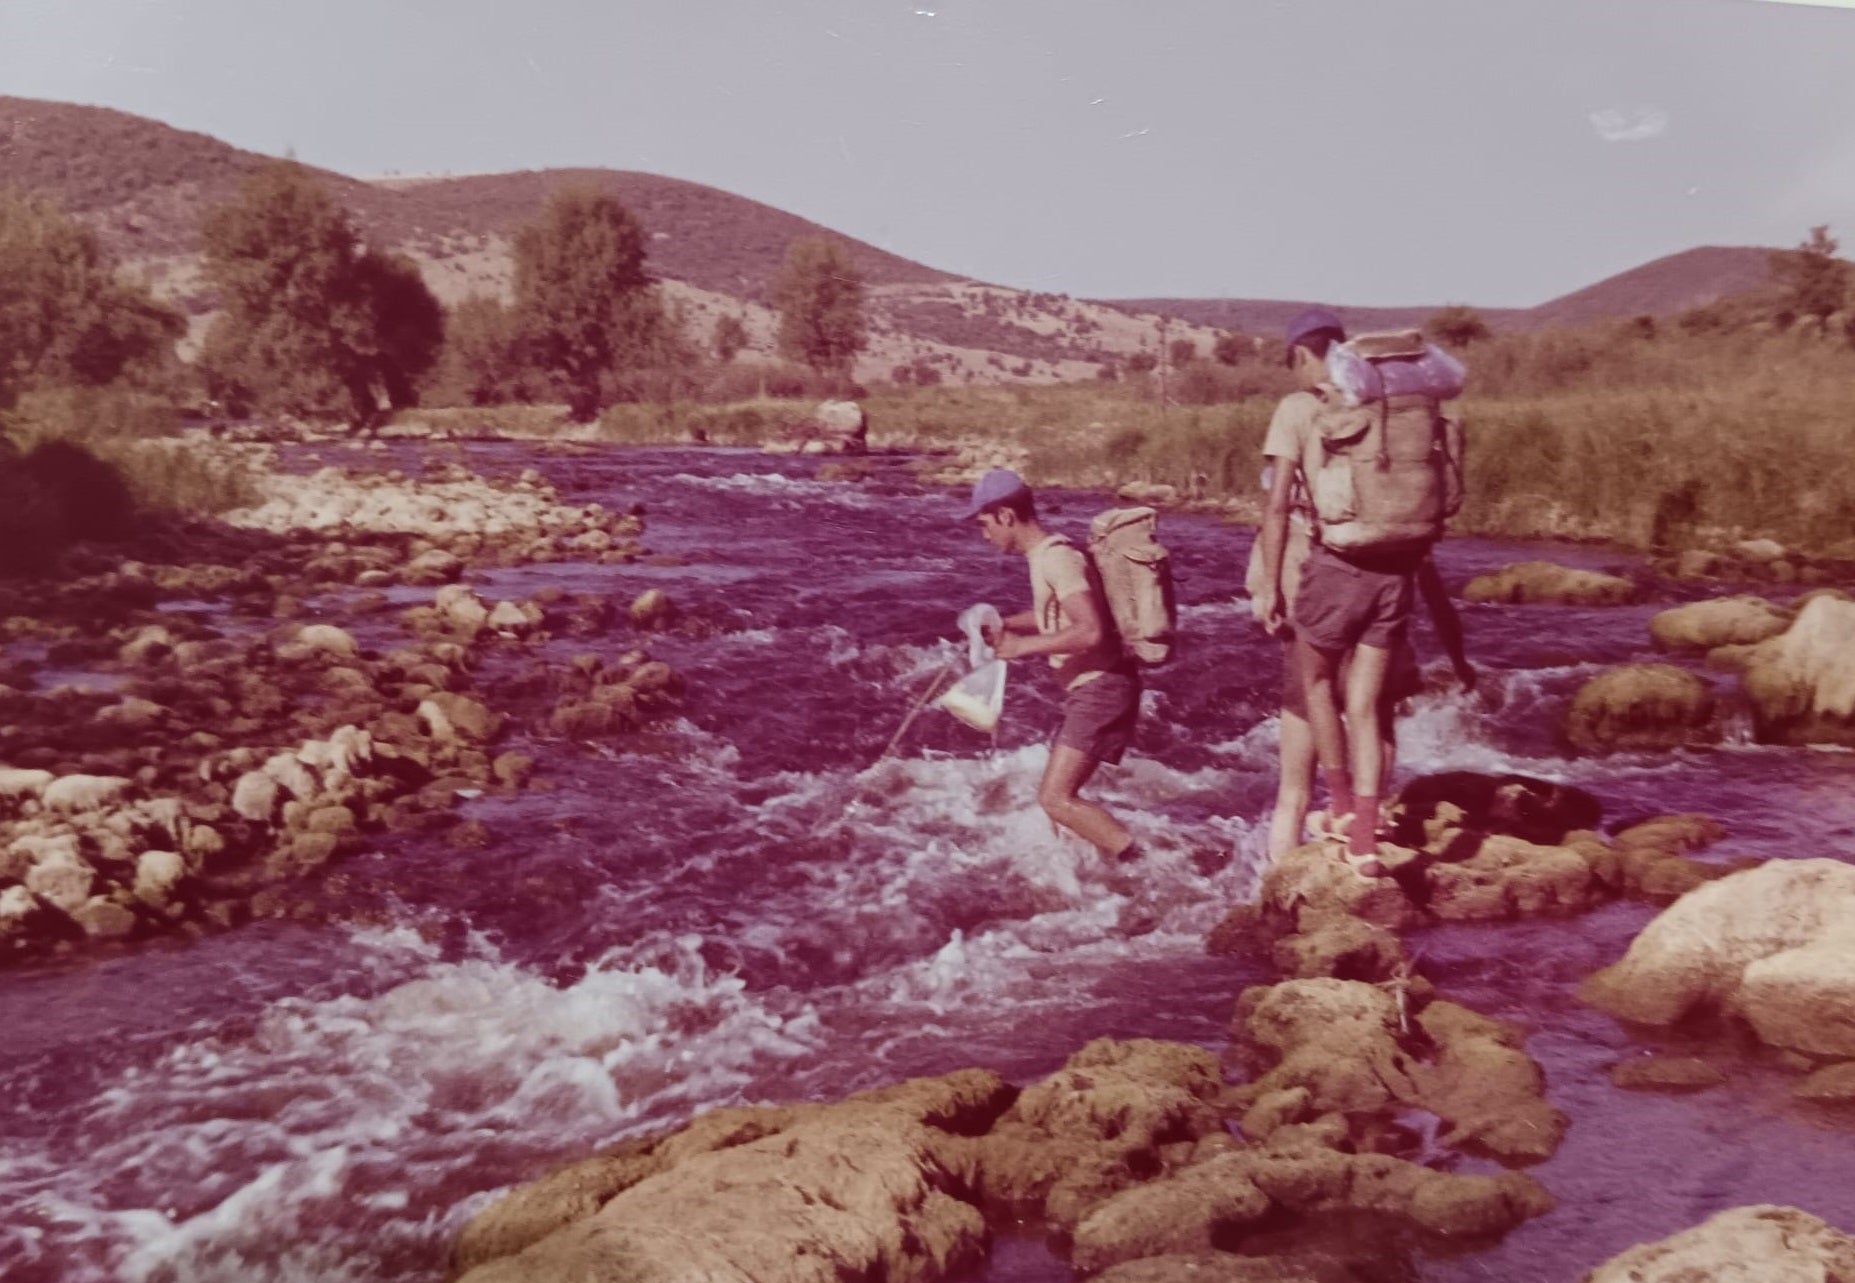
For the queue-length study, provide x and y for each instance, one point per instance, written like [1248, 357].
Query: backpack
[1390, 474]
[1136, 579]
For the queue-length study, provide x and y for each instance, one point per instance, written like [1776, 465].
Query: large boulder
[1641, 706]
[865, 1189]
[1774, 944]
[1545, 583]
[1802, 682]
[1722, 621]
[1754, 1244]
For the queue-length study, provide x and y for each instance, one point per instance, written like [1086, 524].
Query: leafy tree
[1182, 351]
[1457, 326]
[729, 338]
[482, 362]
[1814, 280]
[1230, 348]
[819, 294]
[584, 305]
[65, 319]
[312, 321]
[1141, 363]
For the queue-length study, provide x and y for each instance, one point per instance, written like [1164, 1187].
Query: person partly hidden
[1344, 618]
[1069, 622]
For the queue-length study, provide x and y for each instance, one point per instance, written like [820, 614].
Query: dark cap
[1316, 320]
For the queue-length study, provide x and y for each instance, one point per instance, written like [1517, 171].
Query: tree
[312, 321]
[1457, 326]
[482, 362]
[1815, 281]
[1141, 363]
[819, 294]
[729, 338]
[1230, 348]
[584, 305]
[1182, 351]
[65, 319]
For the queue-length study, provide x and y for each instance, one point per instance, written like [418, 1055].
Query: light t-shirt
[1292, 441]
[1059, 569]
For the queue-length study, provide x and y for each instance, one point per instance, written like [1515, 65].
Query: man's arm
[1274, 536]
[1081, 633]
[1448, 622]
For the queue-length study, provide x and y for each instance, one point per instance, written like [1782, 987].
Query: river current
[740, 907]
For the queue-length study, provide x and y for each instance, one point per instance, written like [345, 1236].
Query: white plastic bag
[979, 697]
[974, 621]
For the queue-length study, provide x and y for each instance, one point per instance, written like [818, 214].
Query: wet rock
[18, 907]
[157, 874]
[1802, 683]
[652, 609]
[1641, 706]
[18, 784]
[461, 611]
[1335, 1039]
[453, 718]
[1698, 563]
[326, 639]
[512, 769]
[1228, 1267]
[1832, 1084]
[1758, 550]
[1767, 1244]
[1542, 582]
[1510, 878]
[1340, 947]
[1480, 1082]
[856, 1190]
[256, 796]
[104, 919]
[63, 882]
[149, 645]
[434, 566]
[77, 793]
[507, 617]
[1098, 1125]
[1774, 944]
[1722, 621]
[1665, 1073]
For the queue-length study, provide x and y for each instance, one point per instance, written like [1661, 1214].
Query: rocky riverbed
[548, 915]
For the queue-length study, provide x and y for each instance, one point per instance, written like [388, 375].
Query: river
[738, 908]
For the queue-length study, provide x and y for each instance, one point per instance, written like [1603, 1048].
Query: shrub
[819, 294]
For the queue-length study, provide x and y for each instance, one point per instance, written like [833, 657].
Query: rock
[149, 645]
[63, 882]
[1341, 947]
[17, 783]
[859, 1190]
[255, 797]
[1147, 492]
[1758, 550]
[17, 909]
[434, 566]
[512, 769]
[103, 919]
[1228, 1267]
[82, 792]
[507, 617]
[451, 718]
[1543, 582]
[1802, 683]
[1641, 706]
[1480, 1082]
[327, 639]
[1665, 1073]
[157, 873]
[1755, 1244]
[653, 609]
[461, 610]
[1697, 563]
[1832, 1083]
[1722, 621]
[1774, 944]
[1510, 878]
[1337, 1039]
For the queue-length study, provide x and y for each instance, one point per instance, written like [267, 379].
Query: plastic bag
[979, 697]
[974, 621]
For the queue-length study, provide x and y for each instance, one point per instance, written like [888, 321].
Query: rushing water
[742, 908]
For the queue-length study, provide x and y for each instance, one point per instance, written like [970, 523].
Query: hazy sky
[1363, 151]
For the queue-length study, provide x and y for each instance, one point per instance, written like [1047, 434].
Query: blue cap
[1313, 321]
[994, 488]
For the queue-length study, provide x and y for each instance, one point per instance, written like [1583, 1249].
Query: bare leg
[1365, 685]
[1317, 678]
[1067, 771]
[1297, 785]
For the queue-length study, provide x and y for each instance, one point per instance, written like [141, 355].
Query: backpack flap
[1136, 578]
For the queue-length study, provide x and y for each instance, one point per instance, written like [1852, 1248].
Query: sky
[1496, 152]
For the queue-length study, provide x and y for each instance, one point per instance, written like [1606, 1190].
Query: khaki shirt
[1292, 442]
[1059, 569]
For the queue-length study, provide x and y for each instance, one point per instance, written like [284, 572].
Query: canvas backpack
[1136, 579]
[1390, 474]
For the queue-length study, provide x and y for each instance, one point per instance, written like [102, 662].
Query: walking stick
[927, 693]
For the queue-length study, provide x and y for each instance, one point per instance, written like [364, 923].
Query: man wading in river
[1069, 622]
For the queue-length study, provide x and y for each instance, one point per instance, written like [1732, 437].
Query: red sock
[1363, 837]
[1340, 790]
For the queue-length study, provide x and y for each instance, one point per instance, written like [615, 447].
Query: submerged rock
[1766, 1244]
[1545, 583]
[1641, 706]
[1722, 621]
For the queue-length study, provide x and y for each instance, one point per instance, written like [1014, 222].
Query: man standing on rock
[1344, 616]
[1068, 622]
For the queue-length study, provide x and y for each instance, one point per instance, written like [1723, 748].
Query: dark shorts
[1099, 716]
[1345, 603]
[1403, 680]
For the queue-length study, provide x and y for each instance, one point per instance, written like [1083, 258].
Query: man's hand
[1269, 607]
[1009, 645]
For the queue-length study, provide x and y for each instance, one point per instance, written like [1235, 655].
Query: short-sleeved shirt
[1291, 442]
[1059, 569]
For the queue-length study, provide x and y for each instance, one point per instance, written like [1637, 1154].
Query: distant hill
[1659, 288]
[145, 187]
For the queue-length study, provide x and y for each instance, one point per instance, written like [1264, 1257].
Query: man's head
[1005, 509]
[1308, 338]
